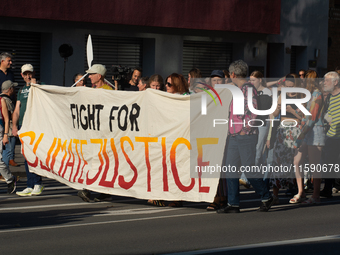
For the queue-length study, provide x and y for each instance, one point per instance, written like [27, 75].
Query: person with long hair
[194, 73]
[155, 82]
[176, 84]
[310, 142]
[264, 102]
[284, 150]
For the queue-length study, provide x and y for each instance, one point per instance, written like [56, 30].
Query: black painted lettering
[133, 116]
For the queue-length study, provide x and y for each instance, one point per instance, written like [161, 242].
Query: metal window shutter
[206, 56]
[111, 50]
[25, 48]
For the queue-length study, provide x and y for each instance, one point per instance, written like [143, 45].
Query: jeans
[4, 170]
[243, 148]
[260, 157]
[8, 152]
[32, 178]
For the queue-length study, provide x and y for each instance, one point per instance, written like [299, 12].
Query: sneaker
[85, 195]
[229, 209]
[11, 187]
[37, 190]
[25, 193]
[265, 206]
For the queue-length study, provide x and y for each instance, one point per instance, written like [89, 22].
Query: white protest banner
[133, 144]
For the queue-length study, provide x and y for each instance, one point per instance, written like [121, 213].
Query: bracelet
[5, 133]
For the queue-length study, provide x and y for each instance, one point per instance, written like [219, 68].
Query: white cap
[27, 67]
[97, 68]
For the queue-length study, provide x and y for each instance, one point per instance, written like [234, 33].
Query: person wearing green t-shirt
[34, 181]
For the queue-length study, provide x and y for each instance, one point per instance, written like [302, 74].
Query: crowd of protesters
[303, 138]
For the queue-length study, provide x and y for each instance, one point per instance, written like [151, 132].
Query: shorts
[316, 136]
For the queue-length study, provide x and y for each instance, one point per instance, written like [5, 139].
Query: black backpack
[264, 102]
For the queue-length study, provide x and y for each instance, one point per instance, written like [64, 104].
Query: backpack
[264, 102]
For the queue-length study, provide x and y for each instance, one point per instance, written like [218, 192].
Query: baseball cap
[218, 73]
[27, 67]
[8, 84]
[97, 68]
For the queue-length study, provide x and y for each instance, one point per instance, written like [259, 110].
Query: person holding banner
[176, 84]
[97, 75]
[34, 181]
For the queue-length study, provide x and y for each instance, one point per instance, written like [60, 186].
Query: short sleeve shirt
[5, 77]
[22, 97]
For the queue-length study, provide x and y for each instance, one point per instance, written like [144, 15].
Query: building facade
[166, 36]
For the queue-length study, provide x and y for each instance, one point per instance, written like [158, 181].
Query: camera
[121, 73]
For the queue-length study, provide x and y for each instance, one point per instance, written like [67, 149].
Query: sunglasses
[168, 84]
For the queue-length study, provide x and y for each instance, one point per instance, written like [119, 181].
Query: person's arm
[278, 108]
[271, 83]
[309, 121]
[6, 120]
[297, 113]
[15, 118]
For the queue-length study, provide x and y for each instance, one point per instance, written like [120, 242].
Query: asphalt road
[58, 222]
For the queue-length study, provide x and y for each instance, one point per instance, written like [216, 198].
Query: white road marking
[260, 245]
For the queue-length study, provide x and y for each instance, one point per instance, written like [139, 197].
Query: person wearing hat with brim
[8, 90]
[216, 77]
[97, 75]
[4, 129]
[34, 181]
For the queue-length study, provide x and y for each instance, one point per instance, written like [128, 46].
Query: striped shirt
[334, 113]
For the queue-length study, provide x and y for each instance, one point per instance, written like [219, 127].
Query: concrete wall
[304, 23]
